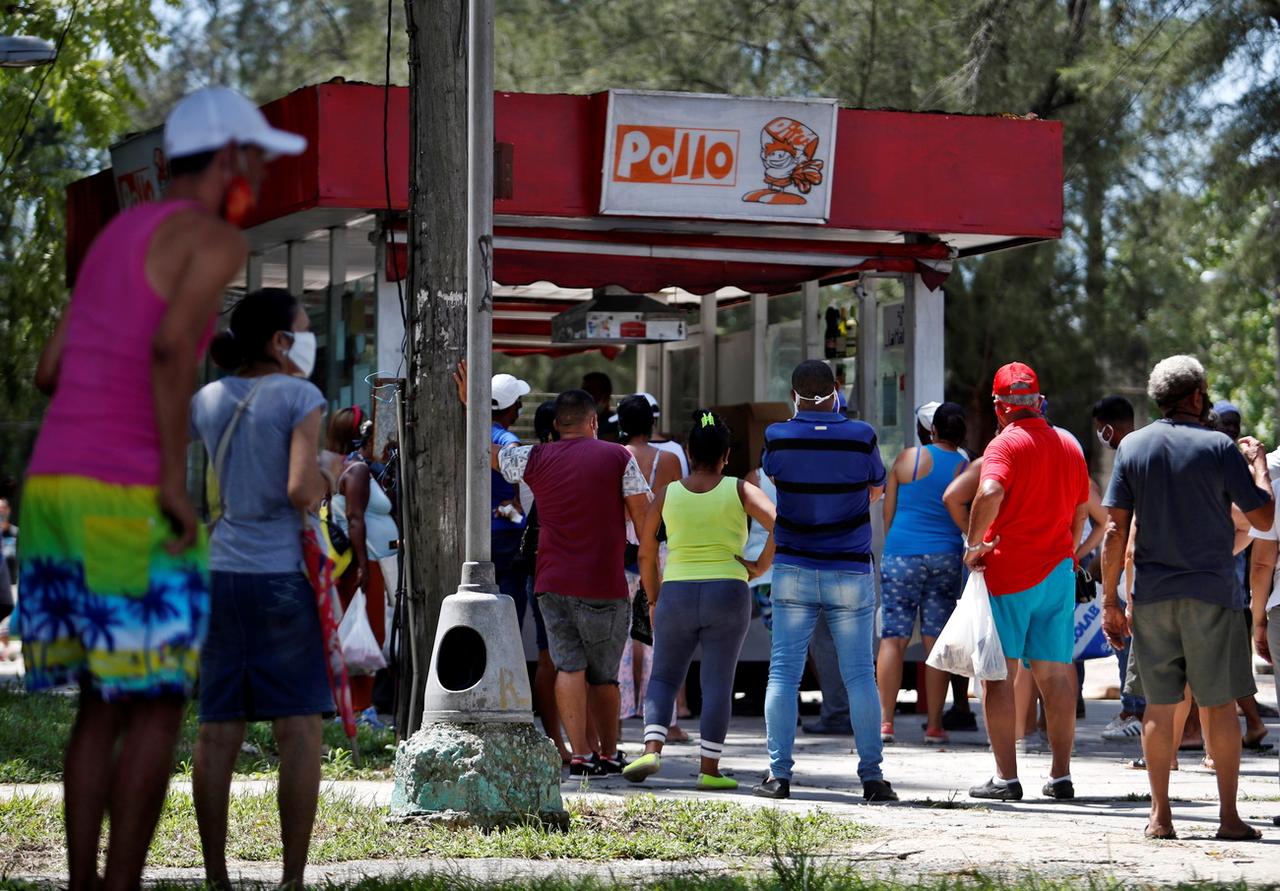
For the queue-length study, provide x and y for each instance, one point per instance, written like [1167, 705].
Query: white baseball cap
[653, 404]
[507, 389]
[208, 119]
[924, 414]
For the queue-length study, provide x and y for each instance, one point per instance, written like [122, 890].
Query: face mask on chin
[1105, 434]
[303, 352]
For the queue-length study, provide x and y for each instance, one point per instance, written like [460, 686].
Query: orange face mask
[238, 201]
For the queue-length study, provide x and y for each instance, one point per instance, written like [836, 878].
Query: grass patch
[641, 828]
[34, 728]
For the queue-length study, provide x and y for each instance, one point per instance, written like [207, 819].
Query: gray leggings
[716, 615]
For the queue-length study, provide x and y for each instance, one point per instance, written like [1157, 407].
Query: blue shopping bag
[1091, 643]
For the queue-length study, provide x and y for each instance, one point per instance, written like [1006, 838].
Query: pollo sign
[692, 155]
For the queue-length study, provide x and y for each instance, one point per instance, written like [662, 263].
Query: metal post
[707, 355]
[810, 323]
[479, 279]
[333, 310]
[295, 270]
[759, 347]
[868, 352]
[253, 273]
[925, 344]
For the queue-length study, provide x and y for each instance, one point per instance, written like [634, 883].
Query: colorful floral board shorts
[102, 602]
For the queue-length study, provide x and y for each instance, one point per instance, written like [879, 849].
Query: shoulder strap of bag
[224, 443]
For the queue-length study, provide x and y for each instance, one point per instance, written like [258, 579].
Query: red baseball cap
[1016, 383]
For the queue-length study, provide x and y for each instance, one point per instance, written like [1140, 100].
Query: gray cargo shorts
[1186, 641]
[586, 634]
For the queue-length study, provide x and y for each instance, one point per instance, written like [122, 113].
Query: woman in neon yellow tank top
[703, 599]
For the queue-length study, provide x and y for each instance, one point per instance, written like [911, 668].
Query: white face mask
[834, 394]
[303, 352]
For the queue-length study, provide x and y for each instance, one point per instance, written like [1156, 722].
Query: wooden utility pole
[435, 448]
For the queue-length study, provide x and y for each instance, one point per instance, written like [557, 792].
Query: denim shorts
[586, 634]
[928, 584]
[263, 658]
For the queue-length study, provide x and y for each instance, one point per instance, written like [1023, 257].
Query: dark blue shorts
[264, 657]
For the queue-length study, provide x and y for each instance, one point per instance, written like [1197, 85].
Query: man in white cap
[507, 526]
[121, 368]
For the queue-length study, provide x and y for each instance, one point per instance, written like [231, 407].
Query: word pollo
[675, 155]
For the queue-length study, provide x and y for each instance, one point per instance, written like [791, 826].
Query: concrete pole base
[487, 775]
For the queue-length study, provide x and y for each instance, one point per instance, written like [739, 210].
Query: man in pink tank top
[114, 566]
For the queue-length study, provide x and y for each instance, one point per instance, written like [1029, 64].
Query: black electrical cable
[386, 177]
[35, 97]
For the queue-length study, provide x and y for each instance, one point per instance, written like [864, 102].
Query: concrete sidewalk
[936, 829]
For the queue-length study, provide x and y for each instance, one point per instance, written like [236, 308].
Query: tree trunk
[435, 448]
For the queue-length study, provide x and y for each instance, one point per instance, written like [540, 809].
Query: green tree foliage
[57, 122]
[1171, 114]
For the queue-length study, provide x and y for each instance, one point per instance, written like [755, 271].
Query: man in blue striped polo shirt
[828, 472]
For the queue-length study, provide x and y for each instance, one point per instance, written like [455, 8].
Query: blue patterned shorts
[925, 583]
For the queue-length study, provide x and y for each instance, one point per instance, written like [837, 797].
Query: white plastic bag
[359, 647]
[969, 644]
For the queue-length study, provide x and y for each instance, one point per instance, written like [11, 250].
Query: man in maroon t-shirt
[1026, 519]
[585, 489]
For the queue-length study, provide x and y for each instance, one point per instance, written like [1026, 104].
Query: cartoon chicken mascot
[787, 149]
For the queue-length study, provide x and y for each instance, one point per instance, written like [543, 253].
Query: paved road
[936, 829]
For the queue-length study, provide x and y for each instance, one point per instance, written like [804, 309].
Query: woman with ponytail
[702, 597]
[264, 659]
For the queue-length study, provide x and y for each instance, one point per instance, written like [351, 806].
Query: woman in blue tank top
[920, 570]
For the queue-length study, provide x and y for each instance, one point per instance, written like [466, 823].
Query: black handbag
[337, 535]
[1086, 586]
[527, 558]
[641, 624]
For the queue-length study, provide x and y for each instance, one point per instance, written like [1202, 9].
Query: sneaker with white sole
[1123, 727]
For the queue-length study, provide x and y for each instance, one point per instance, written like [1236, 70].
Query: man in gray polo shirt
[1181, 479]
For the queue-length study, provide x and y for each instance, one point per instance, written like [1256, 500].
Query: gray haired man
[1181, 479]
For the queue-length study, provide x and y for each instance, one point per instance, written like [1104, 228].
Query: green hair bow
[708, 419]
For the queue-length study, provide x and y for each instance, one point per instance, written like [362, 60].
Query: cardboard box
[747, 422]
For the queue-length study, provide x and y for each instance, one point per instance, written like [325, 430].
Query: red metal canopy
[909, 191]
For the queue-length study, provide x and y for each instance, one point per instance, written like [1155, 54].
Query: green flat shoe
[643, 767]
[716, 784]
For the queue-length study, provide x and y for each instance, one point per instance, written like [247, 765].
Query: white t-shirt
[1271, 535]
[676, 449]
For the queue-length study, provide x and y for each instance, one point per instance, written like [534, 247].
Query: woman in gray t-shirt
[264, 658]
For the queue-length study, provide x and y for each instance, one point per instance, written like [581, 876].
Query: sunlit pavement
[936, 828]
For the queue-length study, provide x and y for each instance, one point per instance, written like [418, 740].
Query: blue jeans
[511, 576]
[847, 600]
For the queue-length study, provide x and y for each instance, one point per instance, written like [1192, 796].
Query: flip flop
[1141, 764]
[1254, 835]
[1257, 745]
[1171, 835]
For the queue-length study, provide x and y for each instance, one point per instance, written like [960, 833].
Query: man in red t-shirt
[1027, 516]
[585, 490]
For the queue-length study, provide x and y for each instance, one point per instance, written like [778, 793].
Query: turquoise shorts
[1038, 624]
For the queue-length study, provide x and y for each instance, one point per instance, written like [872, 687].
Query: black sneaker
[878, 790]
[772, 788]
[963, 721]
[989, 789]
[585, 767]
[612, 765]
[1061, 790]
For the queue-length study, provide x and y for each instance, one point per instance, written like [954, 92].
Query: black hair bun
[225, 351]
